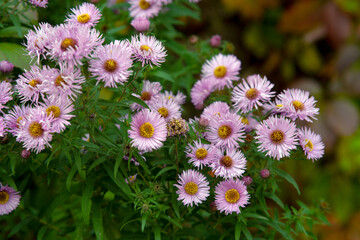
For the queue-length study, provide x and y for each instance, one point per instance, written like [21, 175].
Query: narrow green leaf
[141, 161]
[78, 164]
[157, 233]
[86, 200]
[19, 226]
[288, 178]
[247, 233]
[96, 163]
[41, 233]
[119, 182]
[16, 21]
[255, 215]
[143, 221]
[115, 30]
[138, 101]
[7, 179]
[97, 220]
[164, 75]
[70, 177]
[237, 230]
[173, 221]
[165, 170]
[119, 158]
[175, 204]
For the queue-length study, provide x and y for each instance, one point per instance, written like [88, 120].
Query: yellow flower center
[220, 71]
[245, 120]
[34, 82]
[147, 130]
[83, 18]
[68, 42]
[163, 112]
[59, 81]
[309, 145]
[55, 110]
[226, 161]
[110, 65]
[277, 136]
[279, 106]
[143, 4]
[201, 153]
[191, 188]
[232, 196]
[224, 131]
[146, 96]
[145, 48]
[4, 197]
[298, 105]
[252, 93]
[35, 129]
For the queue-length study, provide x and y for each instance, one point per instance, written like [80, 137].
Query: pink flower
[167, 109]
[150, 92]
[200, 154]
[201, 91]
[141, 24]
[144, 8]
[30, 85]
[86, 15]
[9, 199]
[311, 143]
[6, 66]
[15, 117]
[215, 110]
[5, 94]
[215, 41]
[38, 41]
[39, 3]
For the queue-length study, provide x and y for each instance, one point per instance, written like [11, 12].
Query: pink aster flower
[131, 179]
[228, 164]
[148, 50]
[215, 110]
[148, 130]
[38, 41]
[59, 108]
[2, 127]
[30, 85]
[215, 41]
[39, 3]
[144, 8]
[64, 82]
[141, 24]
[311, 143]
[85, 15]
[193, 188]
[227, 131]
[230, 195]
[6, 66]
[5, 94]
[71, 43]
[15, 117]
[296, 103]
[167, 109]
[179, 98]
[200, 154]
[221, 70]
[201, 91]
[250, 122]
[276, 136]
[150, 92]
[252, 93]
[9, 199]
[36, 131]
[111, 63]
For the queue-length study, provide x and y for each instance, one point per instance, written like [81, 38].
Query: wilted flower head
[176, 126]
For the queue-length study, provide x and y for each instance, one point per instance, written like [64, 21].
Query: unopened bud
[25, 154]
[247, 180]
[265, 173]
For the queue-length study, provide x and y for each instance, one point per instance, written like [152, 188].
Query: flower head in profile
[148, 50]
[144, 8]
[201, 91]
[311, 143]
[276, 136]
[5, 94]
[200, 154]
[39, 3]
[2, 127]
[229, 163]
[179, 98]
[85, 15]
[38, 40]
[14, 118]
[252, 93]
[9, 199]
[222, 70]
[193, 188]
[215, 110]
[148, 130]
[112, 63]
[230, 195]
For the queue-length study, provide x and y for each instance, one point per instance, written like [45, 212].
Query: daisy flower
[5, 94]
[111, 63]
[311, 143]
[179, 98]
[148, 50]
[200, 154]
[228, 164]
[30, 85]
[149, 93]
[193, 188]
[167, 109]
[296, 103]
[9, 199]
[148, 130]
[144, 8]
[64, 82]
[276, 136]
[71, 43]
[39, 3]
[85, 15]
[141, 24]
[227, 131]
[38, 41]
[221, 70]
[36, 132]
[230, 195]
[216, 110]
[201, 91]
[252, 93]
[58, 108]
[14, 118]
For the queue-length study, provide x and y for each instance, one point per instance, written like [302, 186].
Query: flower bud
[215, 41]
[6, 66]
[193, 39]
[141, 24]
[247, 180]
[204, 122]
[25, 154]
[265, 173]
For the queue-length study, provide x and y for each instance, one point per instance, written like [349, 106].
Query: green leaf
[7, 179]
[70, 177]
[172, 221]
[157, 233]
[16, 54]
[165, 170]
[13, 32]
[255, 215]
[138, 101]
[175, 204]
[115, 30]
[86, 200]
[97, 221]
[96, 163]
[237, 230]
[143, 221]
[82, 173]
[164, 75]
[288, 178]
[141, 161]
[119, 159]
[41, 232]
[16, 21]
[19, 226]
[119, 182]
[247, 233]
